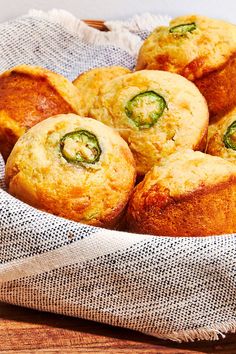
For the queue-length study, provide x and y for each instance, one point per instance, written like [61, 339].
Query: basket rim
[98, 24]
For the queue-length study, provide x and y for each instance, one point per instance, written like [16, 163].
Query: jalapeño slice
[184, 28]
[229, 137]
[80, 146]
[145, 109]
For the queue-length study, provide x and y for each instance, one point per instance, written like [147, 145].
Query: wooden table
[27, 331]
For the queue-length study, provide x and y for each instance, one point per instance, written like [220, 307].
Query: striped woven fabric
[177, 288]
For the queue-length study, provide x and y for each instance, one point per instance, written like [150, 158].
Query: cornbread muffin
[74, 167]
[222, 137]
[90, 82]
[188, 194]
[156, 112]
[29, 94]
[201, 49]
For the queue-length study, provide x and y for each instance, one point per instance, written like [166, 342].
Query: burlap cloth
[173, 288]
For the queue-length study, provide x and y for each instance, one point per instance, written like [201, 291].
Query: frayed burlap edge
[122, 39]
[143, 22]
[210, 333]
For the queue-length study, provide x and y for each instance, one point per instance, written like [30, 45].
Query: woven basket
[173, 288]
[98, 24]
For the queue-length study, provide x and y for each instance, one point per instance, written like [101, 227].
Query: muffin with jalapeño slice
[222, 137]
[156, 112]
[201, 49]
[73, 167]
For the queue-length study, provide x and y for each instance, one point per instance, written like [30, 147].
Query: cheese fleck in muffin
[73, 167]
[156, 112]
[29, 94]
[90, 82]
[222, 137]
[188, 194]
[201, 49]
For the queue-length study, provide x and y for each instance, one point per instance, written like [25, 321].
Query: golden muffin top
[222, 137]
[29, 94]
[187, 171]
[72, 166]
[90, 82]
[156, 112]
[191, 46]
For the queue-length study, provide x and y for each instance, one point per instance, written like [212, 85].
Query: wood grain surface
[28, 331]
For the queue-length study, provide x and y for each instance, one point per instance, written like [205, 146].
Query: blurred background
[121, 9]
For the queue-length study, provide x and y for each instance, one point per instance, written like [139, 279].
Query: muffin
[156, 112]
[29, 94]
[201, 49]
[222, 137]
[73, 167]
[90, 82]
[188, 194]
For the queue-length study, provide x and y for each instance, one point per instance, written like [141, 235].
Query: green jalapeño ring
[229, 138]
[183, 29]
[145, 109]
[80, 146]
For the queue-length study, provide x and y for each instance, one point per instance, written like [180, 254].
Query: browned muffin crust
[188, 193]
[218, 87]
[28, 95]
[38, 99]
[155, 212]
